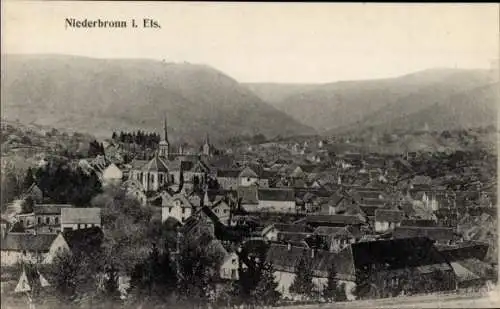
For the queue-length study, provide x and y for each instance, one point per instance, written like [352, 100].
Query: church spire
[165, 127]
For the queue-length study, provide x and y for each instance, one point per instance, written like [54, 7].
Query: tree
[302, 284]
[265, 293]
[71, 276]
[198, 273]
[156, 277]
[331, 284]
[126, 225]
[28, 179]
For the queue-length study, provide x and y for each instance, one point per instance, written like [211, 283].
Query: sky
[262, 42]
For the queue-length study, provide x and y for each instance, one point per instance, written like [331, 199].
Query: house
[80, 218]
[26, 220]
[177, 207]
[230, 268]
[247, 177]
[302, 171]
[276, 199]
[439, 234]
[48, 217]
[248, 198]
[85, 241]
[331, 220]
[286, 259]
[271, 231]
[337, 238]
[387, 219]
[385, 268]
[111, 175]
[267, 178]
[25, 247]
[222, 210]
[192, 170]
[468, 262]
[228, 179]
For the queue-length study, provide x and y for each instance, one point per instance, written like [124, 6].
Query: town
[142, 220]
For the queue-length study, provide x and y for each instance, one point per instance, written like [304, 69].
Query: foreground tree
[265, 293]
[155, 278]
[330, 289]
[302, 284]
[197, 274]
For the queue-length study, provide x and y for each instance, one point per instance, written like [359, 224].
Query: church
[164, 169]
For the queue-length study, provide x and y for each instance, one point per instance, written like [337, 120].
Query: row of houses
[53, 218]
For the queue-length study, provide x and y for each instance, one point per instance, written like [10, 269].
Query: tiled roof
[276, 194]
[175, 165]
[228, 173]
[388, 215]
[138, 164]
[155, 165]
[327, 230]
[91, 215]
[248, 195]
[248, 172]
[419, 223]
[398, 253]
[50, 209]
[292, 228]
[28, 242]
[434, 233]
[285, 258]
[293, 237]
[337, 219]
[369, 210]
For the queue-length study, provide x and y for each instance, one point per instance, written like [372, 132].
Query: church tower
[164, 146]
[206, 146]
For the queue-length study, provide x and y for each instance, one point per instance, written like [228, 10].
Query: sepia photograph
[224, 155]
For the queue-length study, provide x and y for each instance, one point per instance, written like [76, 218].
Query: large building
[154, 174]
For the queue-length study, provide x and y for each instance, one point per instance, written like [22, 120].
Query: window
[47, 220]
[183, 210]
[216, 211]
[225, 211]
[56, 220]
[39, 220]
[233, 273]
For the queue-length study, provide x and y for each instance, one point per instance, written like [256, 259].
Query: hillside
[409, 101]
[101, 95]
[274, 93]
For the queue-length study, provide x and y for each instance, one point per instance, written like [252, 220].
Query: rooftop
[91, 215]
[276, 194]
[50, 209]
[27, 242]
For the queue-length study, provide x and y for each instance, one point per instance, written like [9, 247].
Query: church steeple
[165, 128]
[206, 146]
[164, 146]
